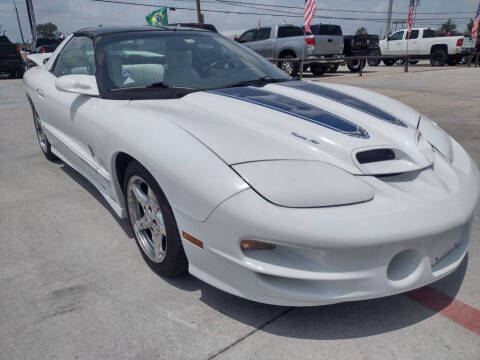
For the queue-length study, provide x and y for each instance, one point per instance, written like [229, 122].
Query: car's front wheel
[153, 222]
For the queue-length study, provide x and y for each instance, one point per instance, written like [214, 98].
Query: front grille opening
[375, 155]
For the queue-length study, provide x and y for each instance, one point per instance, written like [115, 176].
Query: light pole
[18, 19]
[389, 16]
[199, 13]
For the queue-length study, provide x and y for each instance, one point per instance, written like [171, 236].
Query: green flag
[158, 17]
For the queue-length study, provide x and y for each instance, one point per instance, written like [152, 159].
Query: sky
[70, 15]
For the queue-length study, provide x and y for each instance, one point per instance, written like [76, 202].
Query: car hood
[302, 120]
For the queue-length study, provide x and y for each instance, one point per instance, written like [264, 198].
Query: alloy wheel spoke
[141, 197]
[157, 238]
[160, 223]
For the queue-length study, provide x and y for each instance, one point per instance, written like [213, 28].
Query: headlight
[304, 184]
[436, 136]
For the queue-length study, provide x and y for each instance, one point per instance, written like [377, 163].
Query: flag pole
[303, 54]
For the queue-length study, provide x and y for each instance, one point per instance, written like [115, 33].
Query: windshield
[164, 60]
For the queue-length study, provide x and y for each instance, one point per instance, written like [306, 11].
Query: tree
[47, 30]
[448, 27]
[361, 31]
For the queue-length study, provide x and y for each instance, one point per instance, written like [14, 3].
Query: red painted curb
[455, 310]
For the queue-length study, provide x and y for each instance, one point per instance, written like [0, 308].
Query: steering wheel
[214, 65]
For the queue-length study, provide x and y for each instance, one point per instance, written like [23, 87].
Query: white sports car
[270, 188]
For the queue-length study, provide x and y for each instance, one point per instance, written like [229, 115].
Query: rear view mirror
[236, 39]
[78, 84]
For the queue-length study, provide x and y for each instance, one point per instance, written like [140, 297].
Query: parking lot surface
[73, 284]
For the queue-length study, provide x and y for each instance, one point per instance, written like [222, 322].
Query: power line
[294, 15]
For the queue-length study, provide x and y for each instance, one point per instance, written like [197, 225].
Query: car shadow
[84, 183]
[347, 320]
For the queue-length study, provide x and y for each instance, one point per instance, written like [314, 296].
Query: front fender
[194, 179]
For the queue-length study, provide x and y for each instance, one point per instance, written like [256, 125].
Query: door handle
[40, 93]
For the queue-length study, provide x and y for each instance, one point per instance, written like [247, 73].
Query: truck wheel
[333, 69]
[20, 71]
[438, 58]
[356, 65]
[452, 61]
[290, 66]
[389, 62]
[374, 62]
[317, 69]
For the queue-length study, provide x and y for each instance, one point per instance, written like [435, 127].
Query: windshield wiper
[159, 85]
[264, 80]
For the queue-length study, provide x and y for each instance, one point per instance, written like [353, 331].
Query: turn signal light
[255, 245]
[192, 239]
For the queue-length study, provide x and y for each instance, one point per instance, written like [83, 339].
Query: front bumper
[399, 241]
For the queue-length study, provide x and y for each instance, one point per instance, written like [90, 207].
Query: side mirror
[78, 84]
[236, 39]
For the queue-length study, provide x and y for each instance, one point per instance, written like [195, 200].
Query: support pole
[389, 16]
[199, 13]
[18, 20]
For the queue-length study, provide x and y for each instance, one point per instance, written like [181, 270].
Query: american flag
[309, 12]
[410, 16]
[475, 24]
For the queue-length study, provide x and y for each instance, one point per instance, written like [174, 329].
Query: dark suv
[11, 62]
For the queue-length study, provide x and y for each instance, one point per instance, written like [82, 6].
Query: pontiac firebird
[270, 188]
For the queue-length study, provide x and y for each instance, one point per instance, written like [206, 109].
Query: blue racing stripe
[345, 99]
[295, 108]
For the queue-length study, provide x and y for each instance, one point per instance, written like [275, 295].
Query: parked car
[270, 188]
[209, 27]
[423, 43]
[288, 42]
[359, 45]
[44, 45]
[11, 62]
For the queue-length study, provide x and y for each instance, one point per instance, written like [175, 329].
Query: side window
[289, 31]
[396, 36]
[413, 35]
[77, 57]
[264, 34]
[429, 34]
[248, 36]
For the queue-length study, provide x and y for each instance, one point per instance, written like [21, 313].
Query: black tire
[389, 62]
[438, 58]
[175, 261]
[317, 69]
[20, 71]
[333, 69]
[356, 65]
[41, 136]
[288, 65]
[452, 61]
[374, 62]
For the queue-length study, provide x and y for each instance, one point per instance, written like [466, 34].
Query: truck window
[324, 29]
[429, 34]
[413, 35]
[248, 36]
[396, 36]
[289, 31]
[264, 34]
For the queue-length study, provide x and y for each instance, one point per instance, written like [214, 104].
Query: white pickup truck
[423, 43]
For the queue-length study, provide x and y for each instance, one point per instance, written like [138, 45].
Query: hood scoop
[389, 161]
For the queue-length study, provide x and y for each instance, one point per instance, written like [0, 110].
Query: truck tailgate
[328, 45]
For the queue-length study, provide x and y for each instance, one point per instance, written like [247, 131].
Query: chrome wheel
[42, 139]
[147, 219]
[287, 66]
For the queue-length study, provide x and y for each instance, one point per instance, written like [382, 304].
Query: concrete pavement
[73, 284]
